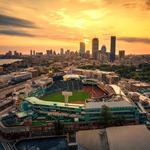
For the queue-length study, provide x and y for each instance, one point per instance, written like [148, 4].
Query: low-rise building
[20, 76]
[34, 71]
[135, 137]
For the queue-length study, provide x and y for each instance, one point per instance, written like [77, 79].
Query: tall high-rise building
[113, 48]
[31, 52]
[121, 54]
[82, 49]
[95, 48]
[49, 52]
[99, 55]
[16, 53]
[34, 53]
[61, 51]
[87, 54]
[103, 49]
[8, 54]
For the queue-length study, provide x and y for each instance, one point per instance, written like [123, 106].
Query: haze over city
[75, 74]
[52, 24]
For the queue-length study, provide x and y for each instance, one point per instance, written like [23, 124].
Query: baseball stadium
[74, 98]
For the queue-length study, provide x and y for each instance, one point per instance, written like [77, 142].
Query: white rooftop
[71, 76]
[21, 114]
[142, 84]
[94, 71]
[117, 89]
[92, 105]
[135, 137]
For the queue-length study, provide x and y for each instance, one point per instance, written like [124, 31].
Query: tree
[58, 127]
[119, 120]
[106, 116]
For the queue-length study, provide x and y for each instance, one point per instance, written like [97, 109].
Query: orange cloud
[65, 23]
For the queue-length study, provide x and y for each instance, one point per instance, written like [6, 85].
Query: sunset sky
[52, 24]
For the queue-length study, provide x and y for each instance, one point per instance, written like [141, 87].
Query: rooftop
[9, 61]
[117, 104]
[72, 76]
[34, 100]
[117, 89]
[89, 139]
[141, 84]
[135, 137]
[94, 71]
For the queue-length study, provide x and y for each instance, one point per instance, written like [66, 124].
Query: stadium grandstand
[85, 105]
[71, 77]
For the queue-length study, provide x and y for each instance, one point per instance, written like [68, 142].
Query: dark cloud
[135, 39]
[15, 22]
[15, 33]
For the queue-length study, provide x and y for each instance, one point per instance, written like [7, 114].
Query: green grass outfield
[78, 96]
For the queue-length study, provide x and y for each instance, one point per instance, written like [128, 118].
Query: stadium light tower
[66, 94]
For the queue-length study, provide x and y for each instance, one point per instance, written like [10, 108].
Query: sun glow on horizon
[65, 23]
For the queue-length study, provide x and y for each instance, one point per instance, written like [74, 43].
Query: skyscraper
[82, 49]
[30, 52]
[103, 49]
[113, 48]
[121, 54]
[34, 52]
[61, 51]
[95, 48]
[49, 52]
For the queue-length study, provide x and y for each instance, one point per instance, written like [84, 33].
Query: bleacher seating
[69, 85]
[93, 90]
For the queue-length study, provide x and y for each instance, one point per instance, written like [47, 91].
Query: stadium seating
[69, 85]
[93, 90]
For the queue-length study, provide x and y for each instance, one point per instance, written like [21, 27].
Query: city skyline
[52, 24]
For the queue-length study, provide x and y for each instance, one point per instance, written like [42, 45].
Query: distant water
[8, 61]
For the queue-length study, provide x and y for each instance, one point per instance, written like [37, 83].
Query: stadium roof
[89, 105]
[91, 79]
[117, 89]
[92, 105]
[21, 114]
[135, 137]
[94, 71]
[71, 76]
[34, 100]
